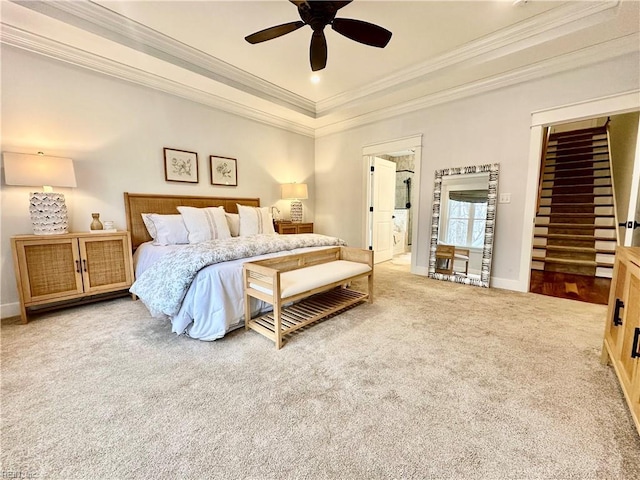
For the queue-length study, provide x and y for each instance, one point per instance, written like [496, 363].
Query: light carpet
[433, 380]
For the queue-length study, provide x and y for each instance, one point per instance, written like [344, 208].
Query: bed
[199, 286]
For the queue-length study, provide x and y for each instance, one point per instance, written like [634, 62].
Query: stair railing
[545, 144]
[613, 188]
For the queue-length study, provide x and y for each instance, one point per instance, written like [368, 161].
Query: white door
[632, 235]
[383, 202]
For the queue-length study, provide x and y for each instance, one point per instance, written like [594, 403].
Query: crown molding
[552, 24]
[580, 58]
[22, 39]
[106, 23]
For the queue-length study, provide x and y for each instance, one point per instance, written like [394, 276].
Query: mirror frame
[487, 250]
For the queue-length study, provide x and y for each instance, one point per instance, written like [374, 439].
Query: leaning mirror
[464, 208]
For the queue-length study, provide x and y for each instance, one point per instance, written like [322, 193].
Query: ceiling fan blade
[318, 51]
[363, 32]
[273, 32]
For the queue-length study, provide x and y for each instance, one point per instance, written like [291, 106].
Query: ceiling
[440, 50]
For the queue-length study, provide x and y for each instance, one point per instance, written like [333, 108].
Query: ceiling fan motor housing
[317, 14]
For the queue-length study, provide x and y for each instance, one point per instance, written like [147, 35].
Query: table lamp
[47, 209]
[295, 192]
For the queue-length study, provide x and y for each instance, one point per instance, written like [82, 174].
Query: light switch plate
[505, 198]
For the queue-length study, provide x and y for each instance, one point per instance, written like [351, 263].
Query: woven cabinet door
[633, 330]
[629, 352]
[614, 330]
[49, 269]
[106, 262]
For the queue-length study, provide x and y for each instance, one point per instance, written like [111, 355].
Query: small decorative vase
[96, 224]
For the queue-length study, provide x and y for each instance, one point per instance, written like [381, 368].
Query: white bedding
[214, 302]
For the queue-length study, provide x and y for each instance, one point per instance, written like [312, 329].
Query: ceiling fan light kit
[318, 14]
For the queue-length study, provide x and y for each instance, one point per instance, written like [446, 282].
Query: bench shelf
[309, 310]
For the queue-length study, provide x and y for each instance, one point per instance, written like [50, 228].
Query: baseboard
[9, 310]
[506, 284]
[418, 270]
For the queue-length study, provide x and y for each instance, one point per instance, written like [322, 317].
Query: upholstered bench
[305, 288]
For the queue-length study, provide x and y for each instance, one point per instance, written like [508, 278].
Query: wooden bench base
[262, 281]
[307, 311]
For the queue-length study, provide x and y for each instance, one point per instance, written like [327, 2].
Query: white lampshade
[48, 210]
[38, 170]
[294, 191]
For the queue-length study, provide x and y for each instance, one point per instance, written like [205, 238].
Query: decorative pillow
[204, 224]
[151, 228]
[255, 220]
[166, 229]
[233, 220]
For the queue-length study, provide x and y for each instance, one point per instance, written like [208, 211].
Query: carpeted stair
[575, 228]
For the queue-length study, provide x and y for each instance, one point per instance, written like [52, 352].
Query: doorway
[581, 215]
[605, 107]
[404, 198]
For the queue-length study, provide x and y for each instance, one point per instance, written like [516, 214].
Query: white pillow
[166, 229]
[151, 228]
[233, 220]
[255, 220]
[204, 224]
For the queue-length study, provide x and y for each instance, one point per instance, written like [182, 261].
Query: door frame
[414, 143]
[598, 107]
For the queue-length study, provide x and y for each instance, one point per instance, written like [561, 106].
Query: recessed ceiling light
[315, 78]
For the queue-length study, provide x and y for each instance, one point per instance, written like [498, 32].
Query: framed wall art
[223, 171]
[180, 166]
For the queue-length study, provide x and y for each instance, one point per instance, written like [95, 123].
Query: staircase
[575, 229]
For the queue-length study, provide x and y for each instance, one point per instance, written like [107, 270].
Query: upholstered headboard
[137, 203]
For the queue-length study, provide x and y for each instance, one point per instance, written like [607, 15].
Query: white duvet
[214, 302]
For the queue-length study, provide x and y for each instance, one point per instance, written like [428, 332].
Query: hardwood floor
[576, 287]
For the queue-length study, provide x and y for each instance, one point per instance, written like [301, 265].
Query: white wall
[487, 128]
[623, 131]
[115, 132]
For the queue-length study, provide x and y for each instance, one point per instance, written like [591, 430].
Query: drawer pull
[84, 263]
[77, 266]
[636, 339]
[616, 313]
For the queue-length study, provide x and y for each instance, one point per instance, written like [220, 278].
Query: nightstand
[286, 228]
[71, 266]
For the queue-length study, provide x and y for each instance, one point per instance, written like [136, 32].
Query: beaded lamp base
[48, 213]
[296, 211]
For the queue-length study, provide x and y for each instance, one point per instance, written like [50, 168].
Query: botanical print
[180, 166]
[223, 171]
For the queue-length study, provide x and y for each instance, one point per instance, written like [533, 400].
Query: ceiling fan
[318, 14]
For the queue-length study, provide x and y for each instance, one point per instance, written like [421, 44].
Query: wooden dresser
[72, 266]
[621, 345]
[293, 228]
